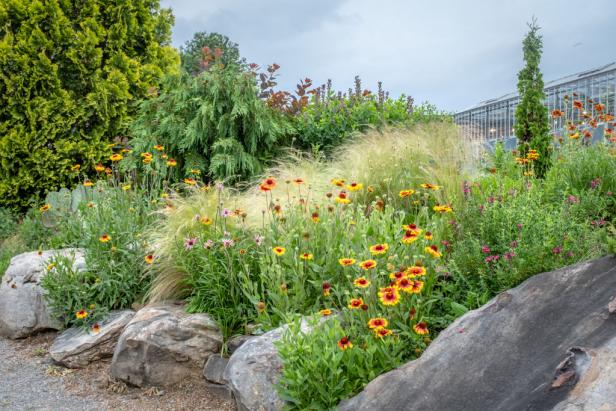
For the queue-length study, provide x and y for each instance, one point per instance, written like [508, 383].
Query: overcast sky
[452, 53]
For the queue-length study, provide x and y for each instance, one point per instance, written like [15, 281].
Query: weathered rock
[236, 342]
[23, 309]
[76, 347]
[214, 369]
[546, 344]
[163, 345]
[254, 369]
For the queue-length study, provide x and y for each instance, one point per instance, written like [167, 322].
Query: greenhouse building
[493, 120]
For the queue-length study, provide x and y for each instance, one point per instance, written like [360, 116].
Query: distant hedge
[69, 74]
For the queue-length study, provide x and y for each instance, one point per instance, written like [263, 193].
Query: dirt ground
[30, 381]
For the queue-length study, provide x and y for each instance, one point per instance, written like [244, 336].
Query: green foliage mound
[69, 73]
[214, 122]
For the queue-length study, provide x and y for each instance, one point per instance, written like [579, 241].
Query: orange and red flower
[416, 287]
[345, 262]
[355, 186]
[382, 332]
[81, 314]
[342, 198]
[379, 249]
[104, 238]
[149, 259]
[279, 250]
[415, 271]
[368, 264]
[306, 256]
[409, 237]
[406, 193]
[389, 296]
[345, 343]
[268, 184]
[361, 282]
[355, 303]
[377, 322]
[325, 312]
[421, 328]
[433, 251]
[430, 186]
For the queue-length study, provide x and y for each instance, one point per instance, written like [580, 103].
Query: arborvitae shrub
[70, 72]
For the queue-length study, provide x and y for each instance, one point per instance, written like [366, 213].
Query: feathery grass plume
[386, 161]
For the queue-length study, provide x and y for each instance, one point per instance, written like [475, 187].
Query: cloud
[449, 52]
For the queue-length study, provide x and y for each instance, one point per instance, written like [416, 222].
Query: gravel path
[25, 385]
[30, 381]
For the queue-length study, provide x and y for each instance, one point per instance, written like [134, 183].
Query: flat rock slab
[77, 347]
[163, 344]
[546, 344]
[23, 309]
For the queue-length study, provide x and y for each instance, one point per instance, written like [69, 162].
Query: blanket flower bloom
[433, 251]
[361, 282]
[355, 303]
[377, 322]
[279, 250]
[368, 264]
[379, 249]
[345, 343]
[345, 262]
[421, 328]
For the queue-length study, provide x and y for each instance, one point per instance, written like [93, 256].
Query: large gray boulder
[163, 344]
[546, 344]
[23, 310]
[254, 369]
[77, 347]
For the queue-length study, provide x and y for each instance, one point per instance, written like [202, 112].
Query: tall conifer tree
[532, 126]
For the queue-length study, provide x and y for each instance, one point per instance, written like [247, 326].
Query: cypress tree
[71, 72]
[531, 116]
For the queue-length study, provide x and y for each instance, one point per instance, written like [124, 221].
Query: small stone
[214, 368]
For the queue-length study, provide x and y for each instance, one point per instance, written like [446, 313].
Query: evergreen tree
[192, 52]
[70, 73]
[532, 124]
[214, 122]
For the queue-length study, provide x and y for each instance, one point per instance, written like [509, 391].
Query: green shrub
[69, 74]
[214, 123]
[328, 119]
